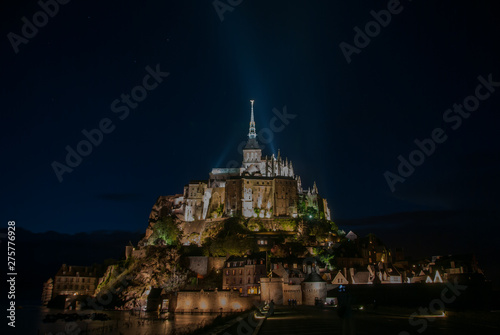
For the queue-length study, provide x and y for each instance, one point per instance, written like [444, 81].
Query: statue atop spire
[252, 133]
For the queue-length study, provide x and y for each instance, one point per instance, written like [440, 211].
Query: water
[29, 321]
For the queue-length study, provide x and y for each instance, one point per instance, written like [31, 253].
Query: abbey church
[263, 187]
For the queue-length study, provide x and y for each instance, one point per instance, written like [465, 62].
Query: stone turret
[313, 287]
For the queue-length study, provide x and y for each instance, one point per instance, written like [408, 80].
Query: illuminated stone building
[244, 273]
[75, 280]
[263, 186]
[48, 287]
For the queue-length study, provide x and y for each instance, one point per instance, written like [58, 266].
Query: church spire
[252, 133]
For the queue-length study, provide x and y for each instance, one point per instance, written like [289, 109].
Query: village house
[75, 280]
[243, 273]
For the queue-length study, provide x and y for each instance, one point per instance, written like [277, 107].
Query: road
[315, 321]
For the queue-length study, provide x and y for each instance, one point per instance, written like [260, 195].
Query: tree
[327, 258]
[165, 232]
[230, 245]
[319, 228]
[311, 213]
[302, 207]
[220, 210]
[333, 227]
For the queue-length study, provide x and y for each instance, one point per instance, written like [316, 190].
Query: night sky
[351, 120]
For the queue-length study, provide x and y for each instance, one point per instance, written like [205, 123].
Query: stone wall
[272, 289]
[198, 264]
[139, 253]
[213, 302]
[216, 263]
[292, 292]
[313, 290]
[128, 251]
[234, 191]
[203, 265]
[286, 196]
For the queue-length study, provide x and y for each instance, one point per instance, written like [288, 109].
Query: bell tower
[252, 154]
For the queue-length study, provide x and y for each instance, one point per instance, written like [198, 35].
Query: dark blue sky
[352, 120]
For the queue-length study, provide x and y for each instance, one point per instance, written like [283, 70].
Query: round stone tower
[313, 289]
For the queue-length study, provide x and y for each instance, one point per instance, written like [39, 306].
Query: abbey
[263, 187]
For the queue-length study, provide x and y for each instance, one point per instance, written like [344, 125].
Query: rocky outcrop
[160, 268]
[164, 206]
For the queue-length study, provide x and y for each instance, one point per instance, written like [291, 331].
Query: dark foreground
[312, 320]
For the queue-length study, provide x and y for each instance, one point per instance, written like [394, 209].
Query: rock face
[160, 268]
[193, 232]
[164, 206]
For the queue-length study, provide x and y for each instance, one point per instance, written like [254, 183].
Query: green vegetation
[211, 231]
[287, 224]
[230, 240]
[163, 267]
[302, 207]
[229, 245]
[165, 232]
[220, 210]
[280, 251]
[193, 238]
[311, 213]
[211, 281]
[320, 229]
[327, 257]
[255, 224]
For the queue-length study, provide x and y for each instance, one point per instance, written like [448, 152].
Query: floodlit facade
[75, 280]
[264, 187]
